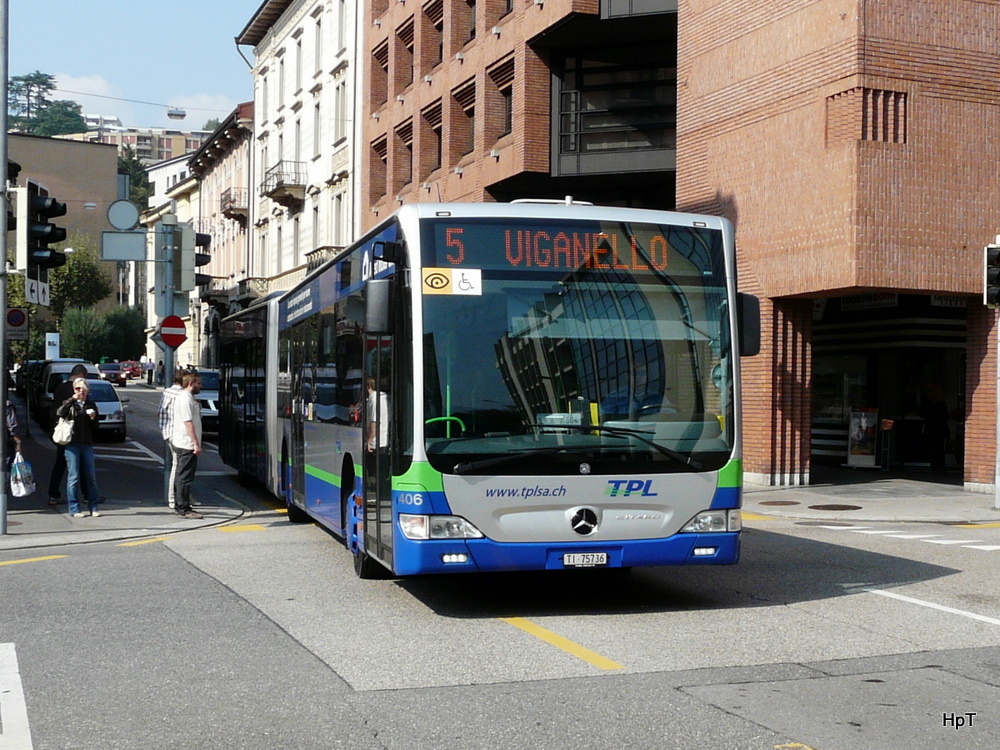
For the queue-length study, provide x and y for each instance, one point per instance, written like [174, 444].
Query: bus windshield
[574, 346]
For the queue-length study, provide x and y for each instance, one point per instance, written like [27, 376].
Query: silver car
[110, 409]
[209, 400]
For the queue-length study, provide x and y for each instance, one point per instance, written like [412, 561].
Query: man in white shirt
[186, 443]
[167, 430]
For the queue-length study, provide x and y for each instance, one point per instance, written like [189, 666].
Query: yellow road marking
[757, 517]
[151, 540]
[993, 525]
[574, 649]
[243, 527]
[33, 559]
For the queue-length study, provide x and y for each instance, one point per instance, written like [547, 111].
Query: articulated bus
[496, 387]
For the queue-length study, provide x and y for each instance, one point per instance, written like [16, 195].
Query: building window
[430, 143]
[318, 44]
[317, 129]
[340, 112]
[432, 36]
[378, 170]
[471, 19]
[341, 25]
[404, 56]
[624, 100]
[501, 118]
[402, 163]
[464, 122]
[380, 75]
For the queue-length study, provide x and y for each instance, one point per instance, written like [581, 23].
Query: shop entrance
[895, 365]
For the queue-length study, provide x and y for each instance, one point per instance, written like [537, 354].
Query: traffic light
[187, 258]
[34, 230]
[13, 170]
[991, 275]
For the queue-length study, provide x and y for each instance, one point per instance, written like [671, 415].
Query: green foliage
[30, 110]
[84, 281]
[212, 124]
[129, 334]
[60, 118]
[139, 187]
[85, 334]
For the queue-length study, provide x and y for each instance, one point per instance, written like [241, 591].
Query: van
[54, 373]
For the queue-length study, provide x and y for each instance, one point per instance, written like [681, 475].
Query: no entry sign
[172, 331]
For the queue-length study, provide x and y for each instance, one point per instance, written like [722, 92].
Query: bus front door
[377, 463]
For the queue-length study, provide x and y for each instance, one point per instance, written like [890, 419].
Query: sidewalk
[32, 523]
[862, 496]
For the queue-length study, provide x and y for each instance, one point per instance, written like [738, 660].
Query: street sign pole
[4, 72]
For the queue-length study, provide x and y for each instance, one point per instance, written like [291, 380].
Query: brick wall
[852, 144]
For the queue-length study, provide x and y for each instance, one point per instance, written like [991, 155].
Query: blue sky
[179, 53]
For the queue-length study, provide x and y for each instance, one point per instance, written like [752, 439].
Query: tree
[139, 187]
[83, 281]
[85, 334]
[27, 94]
[129, 340]
[30, 110]
[212, 124]
[59, 118]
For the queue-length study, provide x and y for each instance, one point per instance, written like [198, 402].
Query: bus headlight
[437, 527]
[711, 521]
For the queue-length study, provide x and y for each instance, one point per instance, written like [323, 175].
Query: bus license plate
[585, 559]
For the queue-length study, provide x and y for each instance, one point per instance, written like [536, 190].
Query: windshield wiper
[625, 432]
[470, 466]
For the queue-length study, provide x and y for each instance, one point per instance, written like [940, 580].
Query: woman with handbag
[81, 472]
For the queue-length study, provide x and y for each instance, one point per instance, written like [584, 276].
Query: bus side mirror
[378, 307]
[748, 324]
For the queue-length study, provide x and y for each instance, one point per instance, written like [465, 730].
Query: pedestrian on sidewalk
[148, 367]
[13, 429]
[166, 415]
[62, 392]
[186, 443]
[82, 474]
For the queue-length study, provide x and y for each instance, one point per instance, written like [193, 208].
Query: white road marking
[15, 734]
[932, 605]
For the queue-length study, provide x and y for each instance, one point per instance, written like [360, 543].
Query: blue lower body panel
[484, 555]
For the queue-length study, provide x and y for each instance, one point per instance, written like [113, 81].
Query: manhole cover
[835, 506]
[779, 502]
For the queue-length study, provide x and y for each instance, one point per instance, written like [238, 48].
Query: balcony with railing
[252, 287]
[285, 183]
[321, 255]
[235, 203]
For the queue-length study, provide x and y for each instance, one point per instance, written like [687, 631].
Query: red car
[134, 369]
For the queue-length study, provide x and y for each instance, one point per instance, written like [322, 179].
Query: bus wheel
[296, 514]
[365, 567]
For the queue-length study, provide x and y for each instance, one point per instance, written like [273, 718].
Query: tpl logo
[629, 487]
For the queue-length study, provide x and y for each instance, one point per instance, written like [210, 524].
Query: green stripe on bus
[323, 475]
[421, 474]
[731, 475]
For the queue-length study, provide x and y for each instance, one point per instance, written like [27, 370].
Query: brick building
[847, 140]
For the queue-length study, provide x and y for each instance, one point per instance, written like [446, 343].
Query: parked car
[110, 410]
[209, 400]
[55, 372]
[113, 372]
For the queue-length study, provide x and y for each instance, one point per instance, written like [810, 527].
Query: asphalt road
[258, 634]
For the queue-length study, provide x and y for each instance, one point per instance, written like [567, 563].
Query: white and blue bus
[495, 387]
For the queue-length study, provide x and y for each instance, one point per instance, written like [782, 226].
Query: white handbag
[63, 432]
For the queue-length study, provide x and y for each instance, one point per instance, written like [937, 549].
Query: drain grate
[779, 502]
[835, 506]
